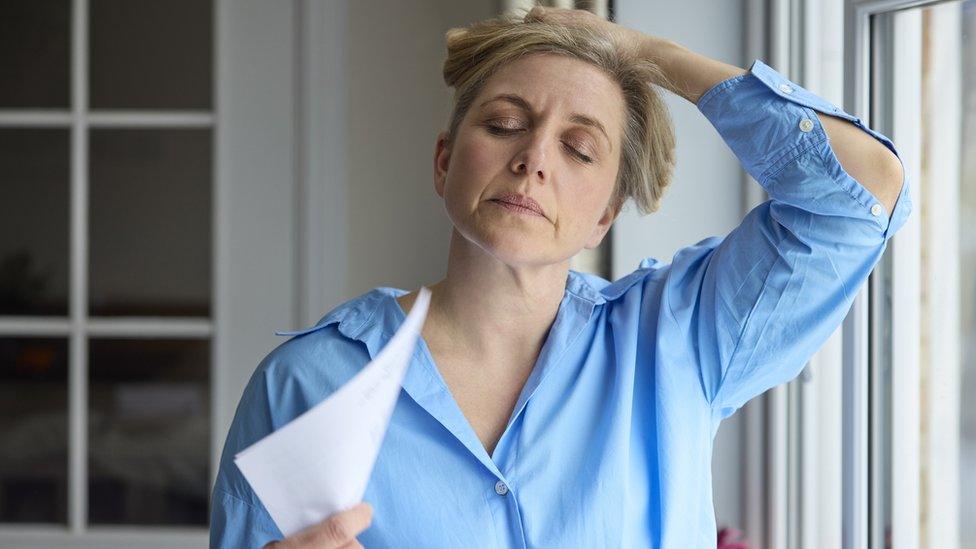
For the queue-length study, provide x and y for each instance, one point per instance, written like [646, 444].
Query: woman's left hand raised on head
[625, 38]
[685, 72]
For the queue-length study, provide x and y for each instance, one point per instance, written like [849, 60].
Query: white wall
[705, 196]
[398, 231]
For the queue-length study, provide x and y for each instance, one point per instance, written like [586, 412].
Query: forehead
[553, 81]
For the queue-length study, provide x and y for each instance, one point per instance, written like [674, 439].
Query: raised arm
[690, 75]
[863, 157]
[746, 311]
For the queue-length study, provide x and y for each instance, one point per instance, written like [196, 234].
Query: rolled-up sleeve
[758, 303]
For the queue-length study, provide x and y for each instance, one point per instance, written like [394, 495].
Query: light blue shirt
[610, 442]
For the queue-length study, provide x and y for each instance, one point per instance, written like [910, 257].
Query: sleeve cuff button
[876, 210]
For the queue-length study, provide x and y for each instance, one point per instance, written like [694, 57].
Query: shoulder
[596, 288]
[298, 374]
[316, 360]
[650, 273]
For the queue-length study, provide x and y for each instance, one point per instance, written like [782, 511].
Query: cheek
[474, 158]
[584, 208]
[474, 164]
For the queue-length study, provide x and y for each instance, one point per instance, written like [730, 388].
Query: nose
[531, 159]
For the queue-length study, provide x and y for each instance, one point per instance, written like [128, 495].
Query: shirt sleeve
[756, 304]
[237, 517]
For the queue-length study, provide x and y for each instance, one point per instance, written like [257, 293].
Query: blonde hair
[477, 51]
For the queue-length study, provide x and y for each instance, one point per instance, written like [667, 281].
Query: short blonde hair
[477, 51]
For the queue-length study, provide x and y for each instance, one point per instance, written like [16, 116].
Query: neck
[486, 308]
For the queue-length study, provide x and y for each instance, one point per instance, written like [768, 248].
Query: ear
[442, 159]
[604, 224]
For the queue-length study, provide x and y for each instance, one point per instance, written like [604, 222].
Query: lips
[520, 200]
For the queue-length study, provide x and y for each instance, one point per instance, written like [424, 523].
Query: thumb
[344, 526]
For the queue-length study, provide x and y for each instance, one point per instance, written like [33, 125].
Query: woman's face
[547, 127]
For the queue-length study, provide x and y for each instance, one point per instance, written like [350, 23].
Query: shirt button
[806, 125]
[500, 488]
[876, 210]
[785, 88]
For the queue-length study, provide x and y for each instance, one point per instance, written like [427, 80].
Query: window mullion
[78, 290]
[905, 112]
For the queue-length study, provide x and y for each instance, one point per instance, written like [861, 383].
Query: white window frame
[79, 327]
[905, 261]
[259, 263]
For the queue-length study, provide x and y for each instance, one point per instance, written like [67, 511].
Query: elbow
[890, 179]
[891, 168]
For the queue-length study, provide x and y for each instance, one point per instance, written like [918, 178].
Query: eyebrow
[575, 117]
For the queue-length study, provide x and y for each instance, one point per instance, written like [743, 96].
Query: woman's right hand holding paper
[339, 531]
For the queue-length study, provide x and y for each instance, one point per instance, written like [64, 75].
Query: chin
[510, 240]
[515, 248]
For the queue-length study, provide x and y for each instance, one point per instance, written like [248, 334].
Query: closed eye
[499, 130]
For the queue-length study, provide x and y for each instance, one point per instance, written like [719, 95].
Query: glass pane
[35, 53]
[33, 430]
[34, 173]
[150, 54]
[149, 431]
[150, 222]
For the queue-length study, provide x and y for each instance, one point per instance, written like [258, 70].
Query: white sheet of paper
[319, 463]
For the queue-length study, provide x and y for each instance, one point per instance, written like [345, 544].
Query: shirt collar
[374, 317]
[356, 316]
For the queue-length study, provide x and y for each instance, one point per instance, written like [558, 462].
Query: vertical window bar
[798, 73]
[856, 336]
[78, 352]
[782, 56]
[879, 449]
[879, 425]
[855, 425]
[217, 259]
[905, 252]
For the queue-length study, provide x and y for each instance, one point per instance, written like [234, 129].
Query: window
[106, 322]
[907, 432]
[875, 445]
[924, 443]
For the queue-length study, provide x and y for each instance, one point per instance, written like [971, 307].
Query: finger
[362, 510]
[535, 14]
[344, 526]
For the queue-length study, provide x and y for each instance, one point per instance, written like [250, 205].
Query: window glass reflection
[34, 167]
[35, 53]
[149, 431]
[147, 54]
[33, 430]
[150, 203]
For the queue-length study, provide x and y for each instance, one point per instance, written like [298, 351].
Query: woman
[550, 408]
